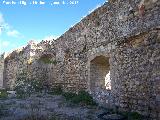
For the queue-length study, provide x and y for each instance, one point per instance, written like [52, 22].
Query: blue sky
[20, 23]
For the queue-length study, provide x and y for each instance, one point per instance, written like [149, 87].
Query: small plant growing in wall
[47, 59]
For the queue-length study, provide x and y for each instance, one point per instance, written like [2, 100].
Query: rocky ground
[54, 107]
[45, 107]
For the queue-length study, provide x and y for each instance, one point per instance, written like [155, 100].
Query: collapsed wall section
[28, 61]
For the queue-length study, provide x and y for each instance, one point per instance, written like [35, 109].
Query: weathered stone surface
[125, 34]
[1, 70]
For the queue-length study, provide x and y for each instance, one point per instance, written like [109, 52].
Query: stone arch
[46, 69]
[99, 83]
[99, 68]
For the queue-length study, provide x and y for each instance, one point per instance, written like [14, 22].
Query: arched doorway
[100, 84]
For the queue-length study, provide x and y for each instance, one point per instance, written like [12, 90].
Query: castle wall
[1, 70]
[123, 31]
[14, 64]
[136, 74]
[106, 31]
[26, 61]
[134, 62]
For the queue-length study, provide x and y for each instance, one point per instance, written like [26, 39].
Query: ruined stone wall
[125, 35]
[27, 61]
[41, 69]
[137, 73]
[104, 32]
[15, 63]
[1, 70]
[134, 62]
[72, 50]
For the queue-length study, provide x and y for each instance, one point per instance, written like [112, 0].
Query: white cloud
[1, 19]
[13, 33]
[0, 30]
[5, 43]
[1, 23]
[5, 27]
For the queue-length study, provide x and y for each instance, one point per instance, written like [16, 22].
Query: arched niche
[99, 73]
[99, 83]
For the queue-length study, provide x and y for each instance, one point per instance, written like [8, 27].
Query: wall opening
[108, 81]
[100, 84]
[100, 73]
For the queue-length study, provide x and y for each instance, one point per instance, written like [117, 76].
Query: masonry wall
[125, 32]
[14, 64]
[27, 61]
[136, 69]
[104, 32]
[134, 75]
[1, 70]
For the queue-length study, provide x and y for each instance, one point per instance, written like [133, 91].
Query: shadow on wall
[100, 83]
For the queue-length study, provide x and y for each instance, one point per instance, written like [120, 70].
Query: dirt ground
[45, 107]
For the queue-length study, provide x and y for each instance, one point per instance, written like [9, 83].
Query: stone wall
[15, 63]
[136, 71]
[2, 57]
[121, 38]
[27, 60]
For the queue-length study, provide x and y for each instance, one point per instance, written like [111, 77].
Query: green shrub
[56, 90]
[81, 98]
[3, 94]
[132, 115]
[69, 95]
[37, 85]
[35, 117]
[135, 116]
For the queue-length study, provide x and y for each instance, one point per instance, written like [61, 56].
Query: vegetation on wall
[25, 86]
[56, 90]
[83, 97]
[3, 94]
[47, 59]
